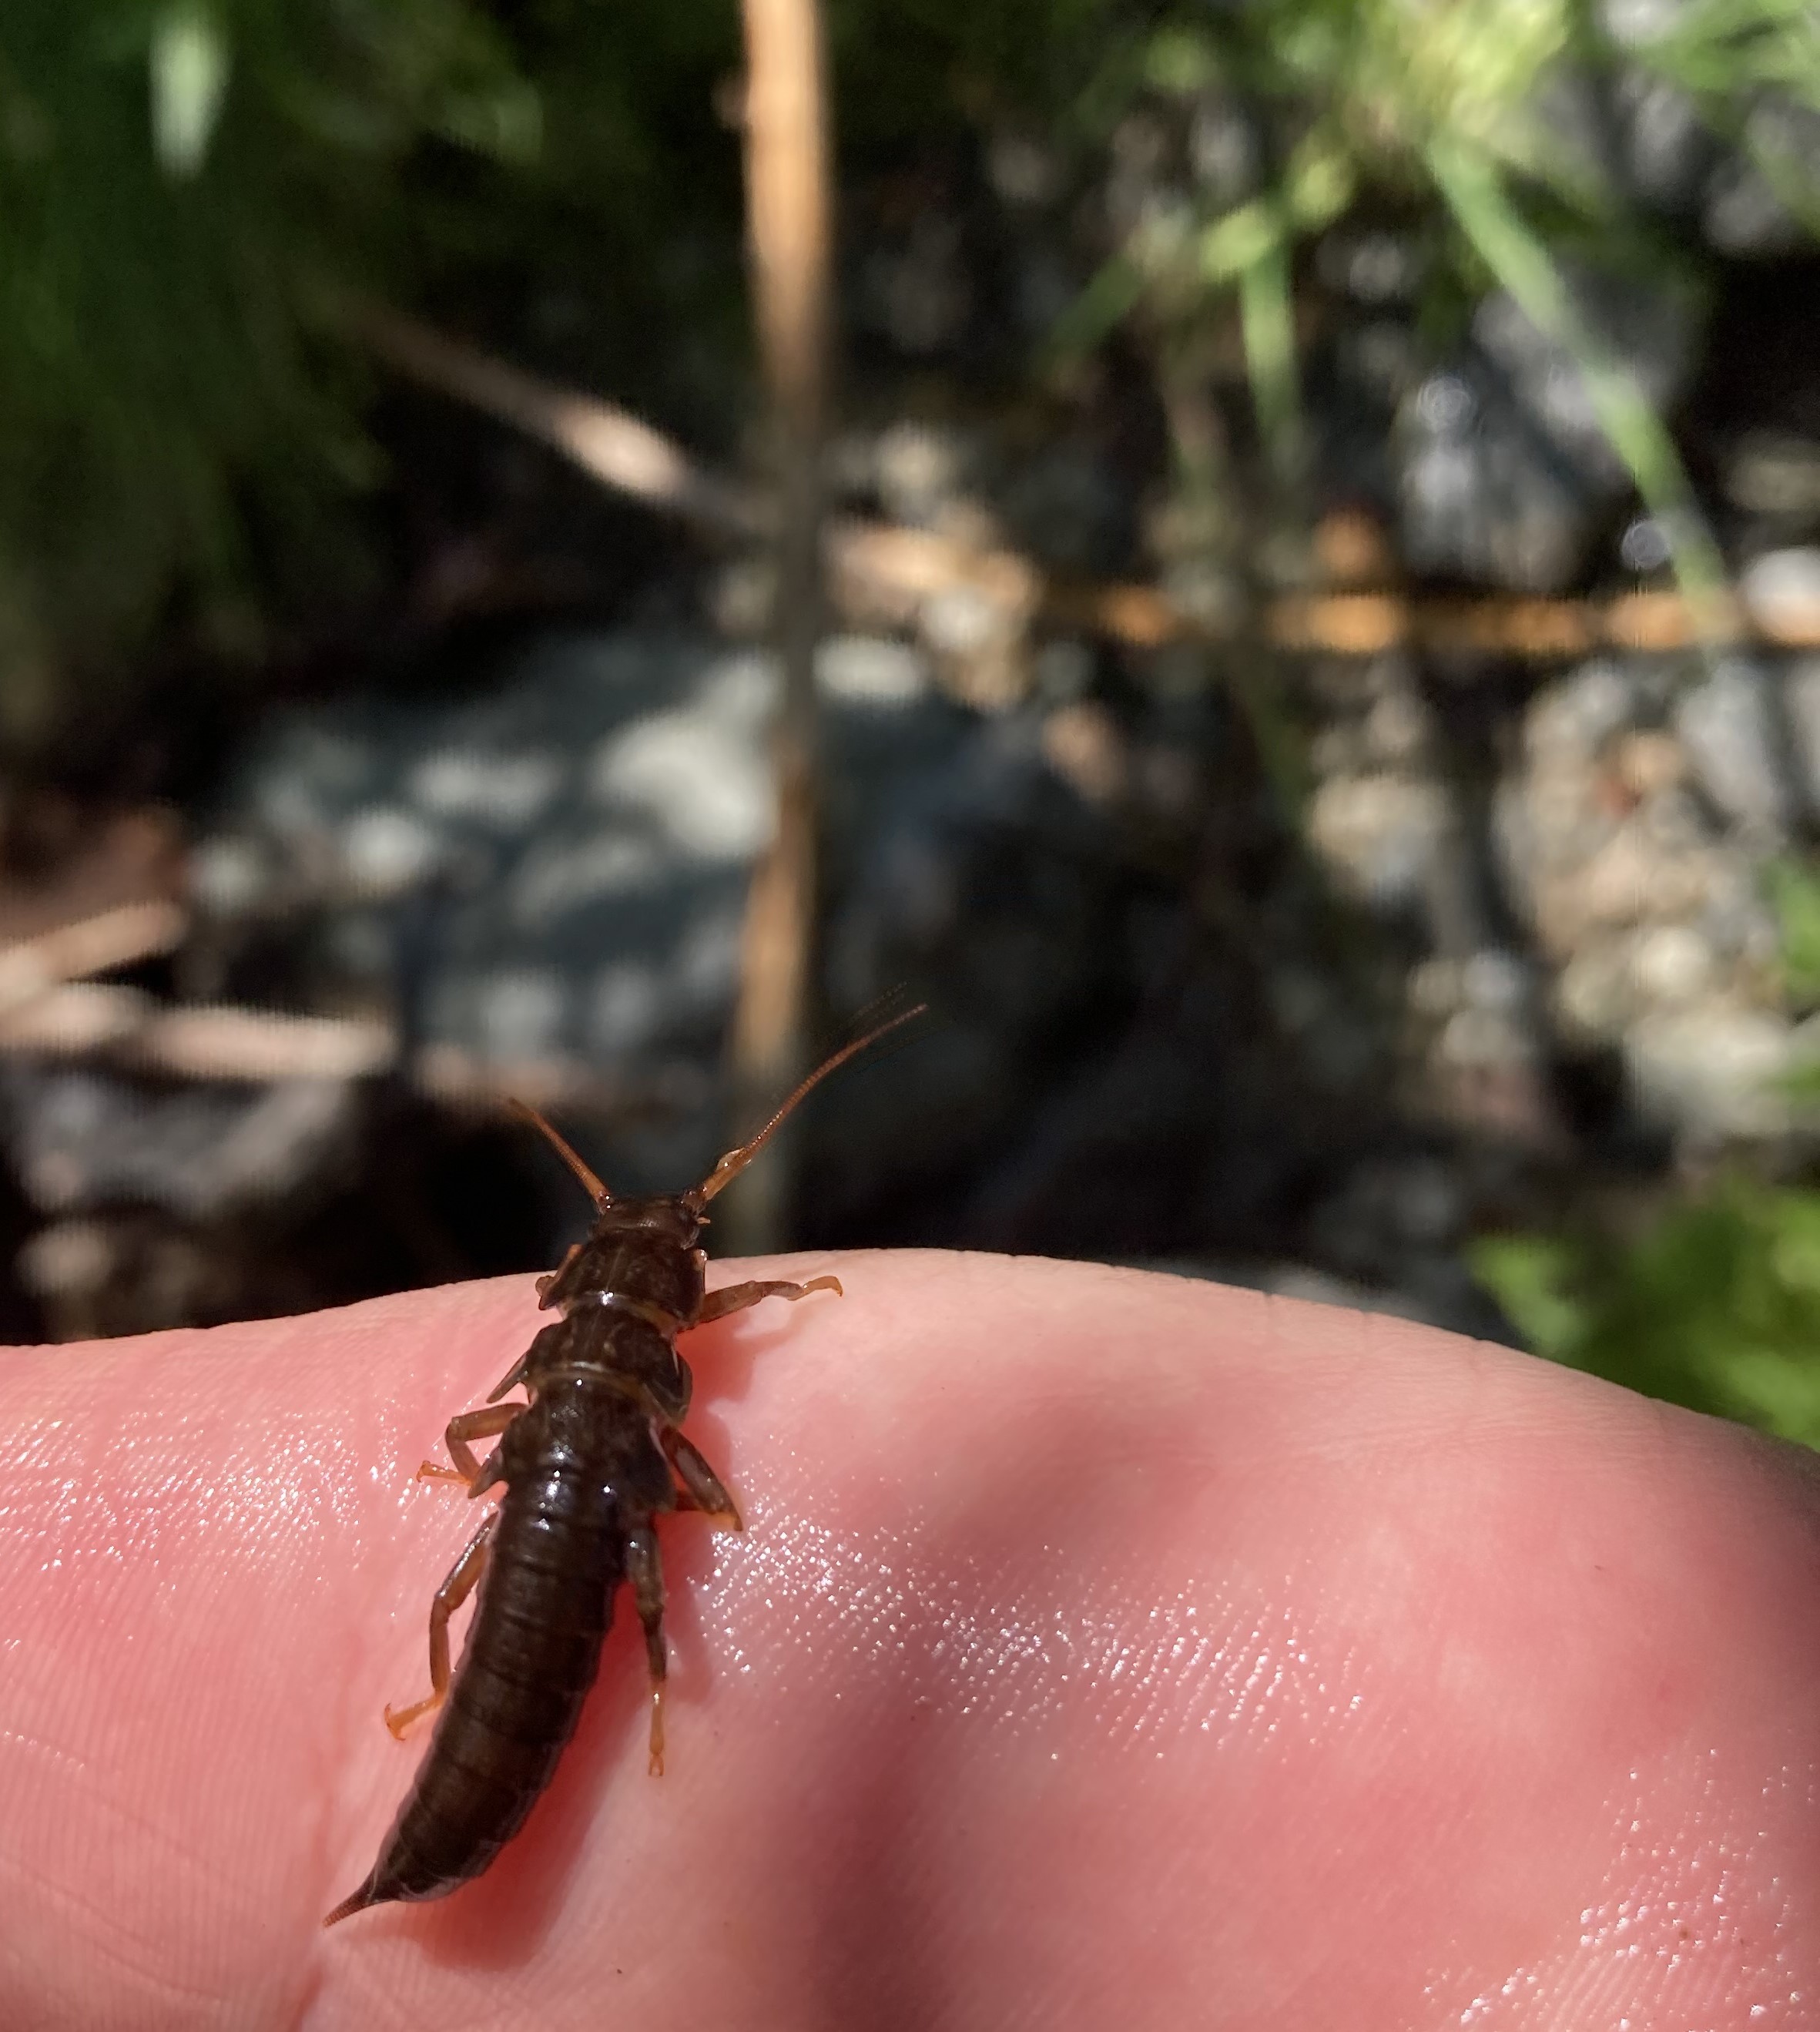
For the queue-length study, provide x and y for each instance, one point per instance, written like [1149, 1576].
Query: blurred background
[1263, 558]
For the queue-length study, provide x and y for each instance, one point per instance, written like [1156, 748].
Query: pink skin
[1104, 1649]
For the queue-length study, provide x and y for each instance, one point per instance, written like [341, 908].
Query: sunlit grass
[1444, 103]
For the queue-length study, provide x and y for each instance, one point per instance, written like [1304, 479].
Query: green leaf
[1266, 316]
[1106, 300]
[1240, 239]
[189, 73]
[1320, 183]
[1716, 1305]
[1795, 896]
[1529, 1277]
[1474, 189]
[1181, 62]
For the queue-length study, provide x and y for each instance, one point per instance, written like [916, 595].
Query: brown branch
[611, 444]
[789, 218]
[887, 571]
[30, 967]
[1364, 623]
[124, 1027]
[201, 1041]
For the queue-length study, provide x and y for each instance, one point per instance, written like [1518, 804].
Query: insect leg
[466, 1425]
[646, 1574]
[702, 1488]
[543, 1284]
[516, 1374]
[512, 1378]
[736, 1298]
[455, 1590]
[493, 1470]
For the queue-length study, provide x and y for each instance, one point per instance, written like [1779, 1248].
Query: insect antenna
[882, 1013]
[597, 1192]
[736, 1160]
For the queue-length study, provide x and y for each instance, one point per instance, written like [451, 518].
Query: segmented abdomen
[556, 1558]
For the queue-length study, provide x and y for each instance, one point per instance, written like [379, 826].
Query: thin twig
[195, 1040]
[888, 570]
[1365, 623]
[789, 213]
[116, 937]
[83, 1021]
[613, 445]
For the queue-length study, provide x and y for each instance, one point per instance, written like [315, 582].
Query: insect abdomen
[556, 1560]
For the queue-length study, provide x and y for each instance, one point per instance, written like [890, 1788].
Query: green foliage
[1517, 255]
[185, 183]
[1447, 107]
[1717, 1306]
[176, 178]
[1795, 896]
[170, 179]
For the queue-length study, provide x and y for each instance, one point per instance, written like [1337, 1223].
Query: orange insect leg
[462, 1577]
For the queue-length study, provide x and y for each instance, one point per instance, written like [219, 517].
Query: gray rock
[1388, 1209]
[1548, 822]
[1636, 23]
[1728, 727]
[1504, 470]
[1375, 266]
[919, 468]
[1774, 472]
[1382, 358]
[1478, 499]
[1500, 982]
[556, 874]
[1650, 331]
[1225, 150]
[1712, 1075]
[1666, 150]
[1474, 1039]
[1645, 546]
[1380, 834]
[1782, 589]
[1594, 995]
[1801, 693]
[1672, 963]
[84, 1140]
[1576, 716]
[1745, 212]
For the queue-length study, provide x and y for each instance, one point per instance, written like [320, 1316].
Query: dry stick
[789, 219]
[887, 568]
[30, 967]
[879, 566]
[611, 444]
[195, 1040]
[84, 1021]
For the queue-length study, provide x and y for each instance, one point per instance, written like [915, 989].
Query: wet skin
[1101, 1650]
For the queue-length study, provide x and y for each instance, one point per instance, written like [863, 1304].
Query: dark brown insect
[586, 1463]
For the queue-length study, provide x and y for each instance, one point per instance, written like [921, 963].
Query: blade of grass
[1475, 194]
[1107, 301]
[1267, 317]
